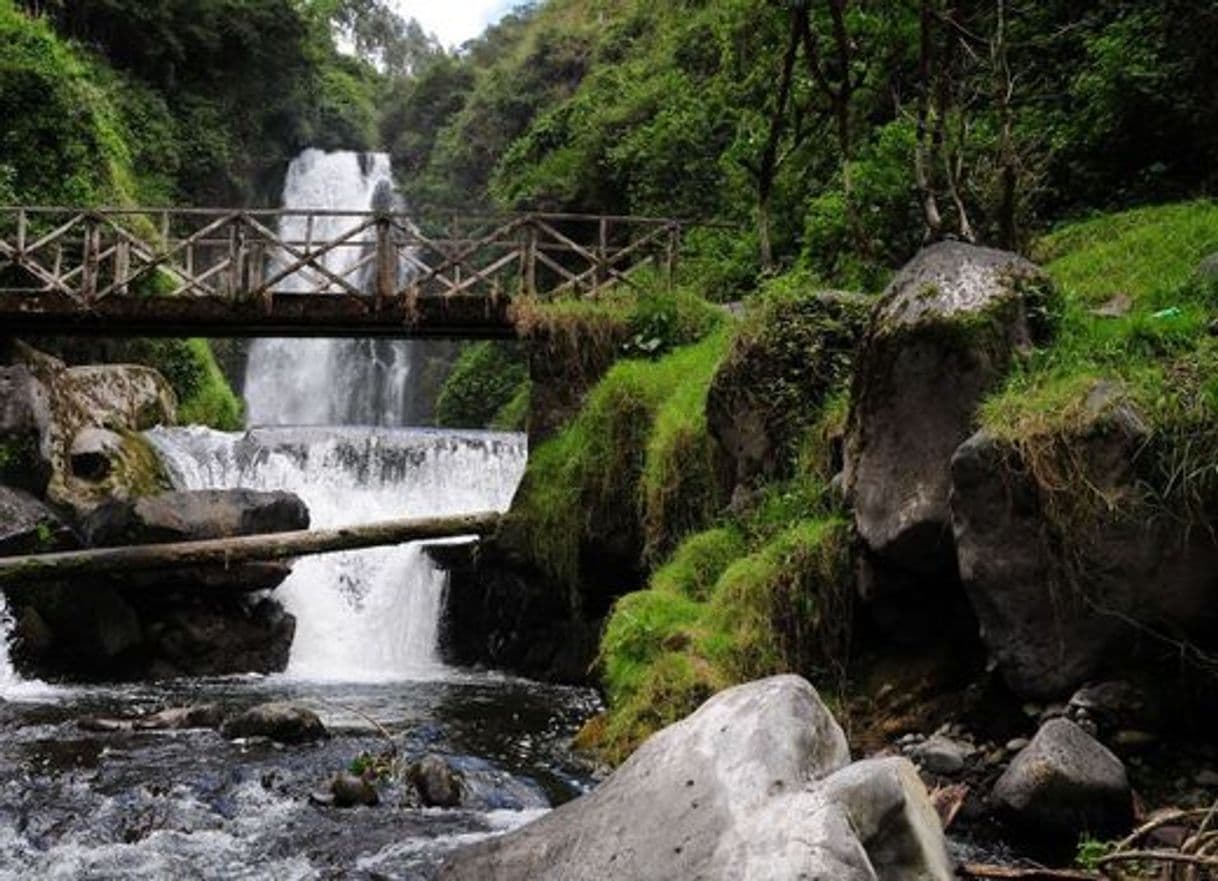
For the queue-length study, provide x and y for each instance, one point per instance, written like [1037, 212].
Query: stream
[189, 804]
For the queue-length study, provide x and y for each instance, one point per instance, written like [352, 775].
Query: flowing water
[332, 381]
[152, 805]
[363, 615]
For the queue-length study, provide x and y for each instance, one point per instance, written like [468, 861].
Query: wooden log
[979, 872]
[242, 549]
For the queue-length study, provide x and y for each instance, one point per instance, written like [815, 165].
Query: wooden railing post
[22, 225]
[122, 265]
[454, 230]
[386, 261]
[92, 255]
[529, 262]
[236, 259]
[602, 257]
[672, 253]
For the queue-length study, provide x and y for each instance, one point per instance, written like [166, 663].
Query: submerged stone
[281, 721]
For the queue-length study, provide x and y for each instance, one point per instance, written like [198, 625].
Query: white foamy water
[362, 615]
[331, 381]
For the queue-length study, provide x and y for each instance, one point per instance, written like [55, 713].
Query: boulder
[215, 636]
[348, 790]
[1066, 783]
[751, 786]
[1054, 606]
[281, 721]
[87, 632]
[27, 526]
[945, 332]
[1117, 705]
[787, 358]
[194, 515]
[437, 784]
[61, 402]
[25, 413]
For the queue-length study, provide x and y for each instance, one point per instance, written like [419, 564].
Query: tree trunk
[244, 549]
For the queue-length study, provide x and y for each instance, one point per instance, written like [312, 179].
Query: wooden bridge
[208, 272]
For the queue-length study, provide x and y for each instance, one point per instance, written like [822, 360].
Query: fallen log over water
[242, 549]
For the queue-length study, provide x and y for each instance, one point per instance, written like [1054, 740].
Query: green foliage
[486, 379]
[1090, 851]
[176, 100]
[514, 415]
[678, 486]
[719, 614]
[1155, 356]
[64, 139]
[203, 393]
[585, 483]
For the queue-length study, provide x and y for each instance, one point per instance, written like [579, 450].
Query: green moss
[485, 379]
[698, 561]
[514, 415]
[679, 489]
[76, 132]
[584, 484]
[204, 395]
[716, 616]
[793, 352]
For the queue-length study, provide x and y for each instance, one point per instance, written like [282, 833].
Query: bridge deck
[286, 315]
[218, 272]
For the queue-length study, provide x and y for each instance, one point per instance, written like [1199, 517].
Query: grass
[1156, 358]
[584, 484]
[720, 613]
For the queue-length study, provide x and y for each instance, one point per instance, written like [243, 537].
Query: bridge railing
[89, 255]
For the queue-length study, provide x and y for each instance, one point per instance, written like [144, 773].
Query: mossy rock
[792, 352]
[946, 332]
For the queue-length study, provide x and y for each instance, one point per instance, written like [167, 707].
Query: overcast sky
[455, 21]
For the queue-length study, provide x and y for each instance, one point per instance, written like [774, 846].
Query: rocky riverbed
[77, 801]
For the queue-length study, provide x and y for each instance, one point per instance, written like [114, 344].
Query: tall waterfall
[360, 615]
[330, 382]
[369, 614]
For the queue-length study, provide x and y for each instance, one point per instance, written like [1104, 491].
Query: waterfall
[361, 615]
[331, 382]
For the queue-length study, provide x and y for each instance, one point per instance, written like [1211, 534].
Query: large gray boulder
[754, 785]
[25, 412]
[50, 404]
[1065, 783]
[27, 526]
[194, 515]
[1055, 601]
[945, 333]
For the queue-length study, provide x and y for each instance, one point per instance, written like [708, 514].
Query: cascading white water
[330, 382]
[364, 615]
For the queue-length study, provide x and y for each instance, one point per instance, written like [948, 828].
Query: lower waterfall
[360, 615]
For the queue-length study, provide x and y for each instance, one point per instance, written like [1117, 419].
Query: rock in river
[754, 785]
[438, 785]
[281, 721]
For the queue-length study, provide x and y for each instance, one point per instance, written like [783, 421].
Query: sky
[455, 21]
